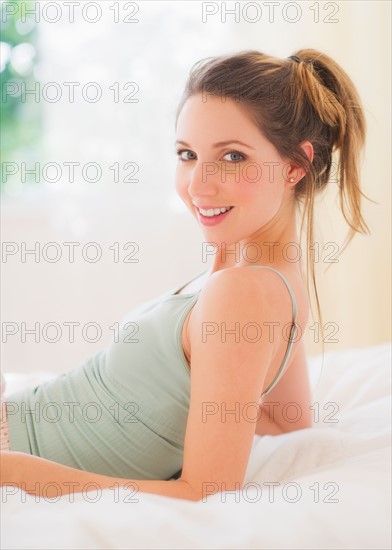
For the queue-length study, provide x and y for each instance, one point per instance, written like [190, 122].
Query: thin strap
[293, 331]
[187, 283]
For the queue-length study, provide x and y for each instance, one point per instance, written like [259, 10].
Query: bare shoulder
[240, 297]
[252, 288]
[242, 280]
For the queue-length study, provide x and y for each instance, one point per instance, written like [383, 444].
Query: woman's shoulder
[244, 281]
[270, 293]
[240, 306]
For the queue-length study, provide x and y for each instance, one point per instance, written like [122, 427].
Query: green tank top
[123, 412]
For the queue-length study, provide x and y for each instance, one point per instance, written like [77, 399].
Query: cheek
[251, 185]
[259, 188]
[252, 174]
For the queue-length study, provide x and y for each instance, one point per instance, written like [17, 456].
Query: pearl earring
[292, 180]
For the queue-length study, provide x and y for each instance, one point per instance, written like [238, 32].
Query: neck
[276, 245]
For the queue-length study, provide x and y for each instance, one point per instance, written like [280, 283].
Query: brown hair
[310, 98]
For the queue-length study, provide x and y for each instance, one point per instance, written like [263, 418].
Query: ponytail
[334, 97]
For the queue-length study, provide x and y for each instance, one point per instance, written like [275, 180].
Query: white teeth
[215, 211]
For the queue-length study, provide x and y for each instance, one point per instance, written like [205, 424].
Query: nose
[204, 179]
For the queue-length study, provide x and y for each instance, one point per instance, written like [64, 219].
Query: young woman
[172, 406]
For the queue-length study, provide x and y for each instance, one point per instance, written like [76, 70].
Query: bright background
[157, 53]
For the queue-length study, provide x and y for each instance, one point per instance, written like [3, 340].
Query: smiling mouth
[212, 220]
[209, 212]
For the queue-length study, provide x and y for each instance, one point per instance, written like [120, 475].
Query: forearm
[42, 477]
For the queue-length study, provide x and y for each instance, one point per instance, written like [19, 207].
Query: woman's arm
[41, 477]
[228, 372]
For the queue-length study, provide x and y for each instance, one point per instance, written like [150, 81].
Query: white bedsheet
[347, 461]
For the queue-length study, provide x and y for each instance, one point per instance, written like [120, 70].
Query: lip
[208, 221]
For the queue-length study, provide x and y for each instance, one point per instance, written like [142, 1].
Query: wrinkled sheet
[332, 482]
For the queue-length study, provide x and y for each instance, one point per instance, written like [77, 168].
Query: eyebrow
[219, 143]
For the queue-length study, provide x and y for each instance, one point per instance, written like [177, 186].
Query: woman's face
[251, 176]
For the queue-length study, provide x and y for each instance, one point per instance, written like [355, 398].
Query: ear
[295, 172]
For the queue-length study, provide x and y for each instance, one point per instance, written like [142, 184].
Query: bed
[321, 488]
